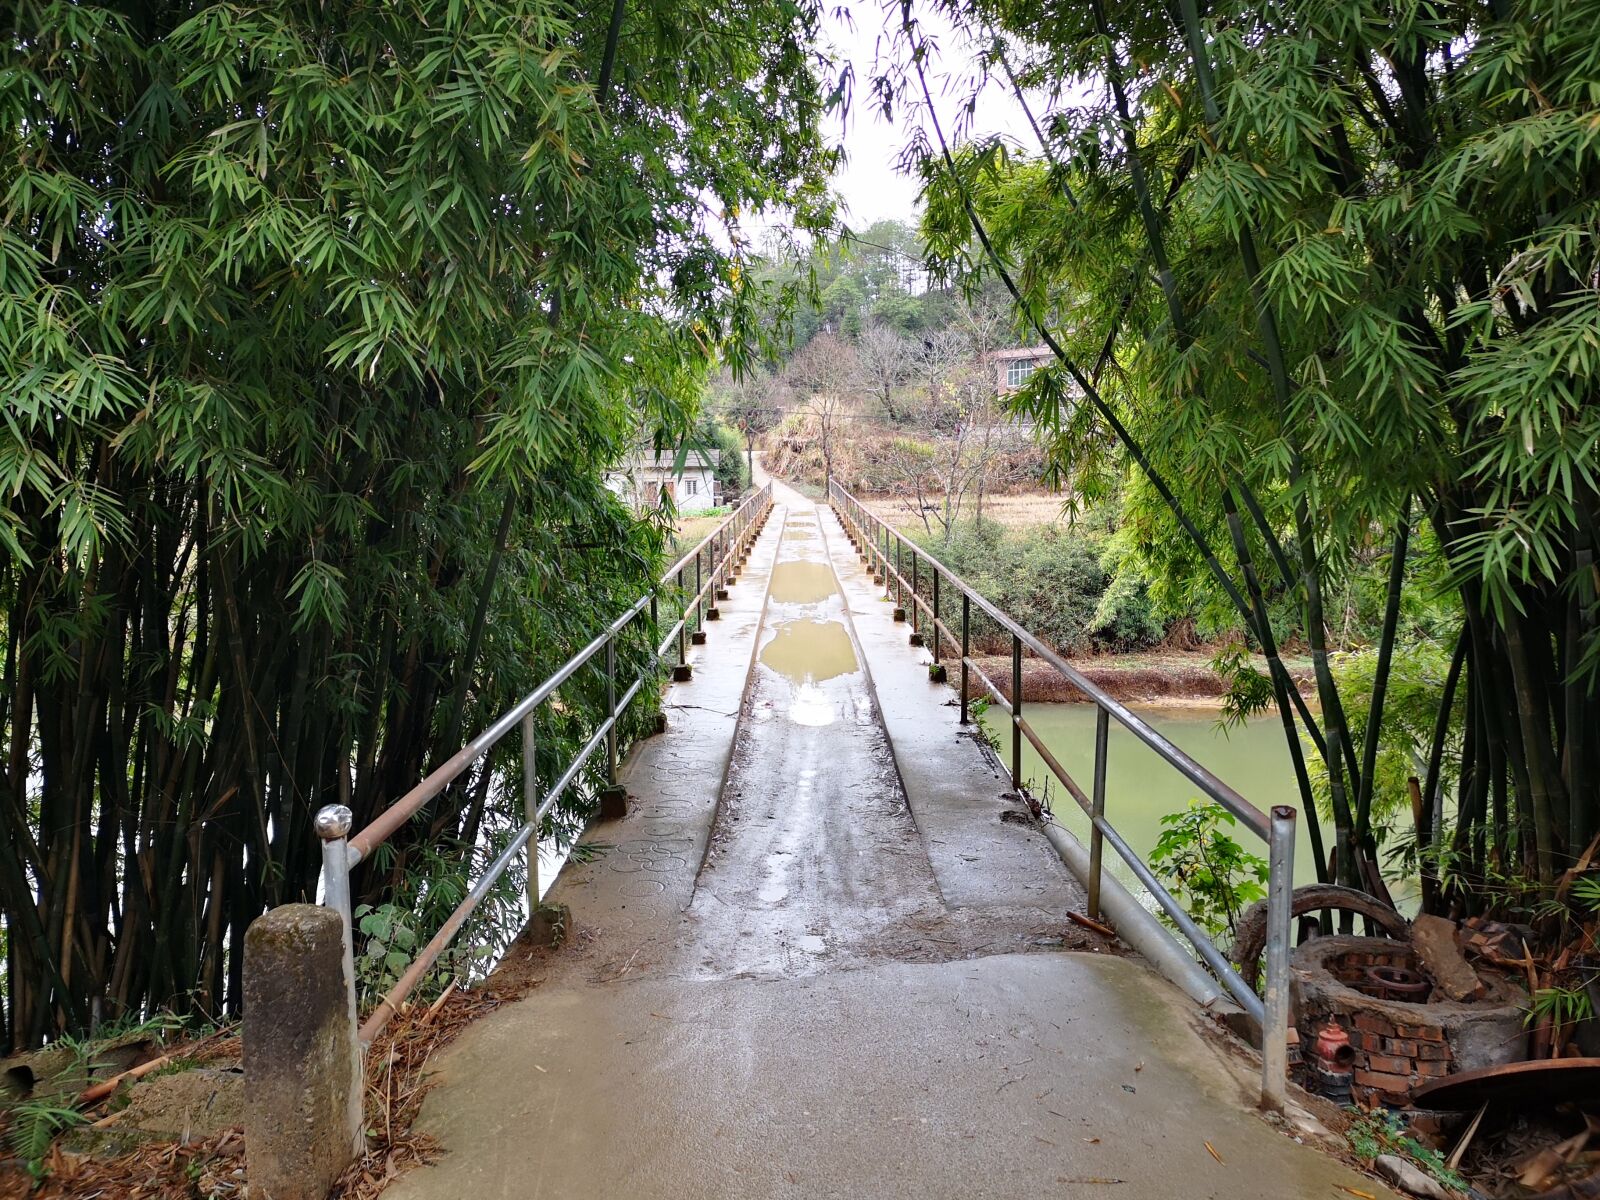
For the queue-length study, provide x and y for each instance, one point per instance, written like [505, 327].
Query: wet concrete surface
[795, 969]
[815, 863]
[958, 793]
[1066, 1075]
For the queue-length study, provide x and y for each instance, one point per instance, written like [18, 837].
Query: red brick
[1401, 1046]
[1397, 1087]
[1422, 1033]
[1433, 1070]
[1389, 1064]
[1433, 1052]
[1373, 1023]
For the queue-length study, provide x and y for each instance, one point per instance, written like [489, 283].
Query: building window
[691, 487]
[1018, 370]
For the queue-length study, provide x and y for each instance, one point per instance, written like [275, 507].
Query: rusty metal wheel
[1251, 935]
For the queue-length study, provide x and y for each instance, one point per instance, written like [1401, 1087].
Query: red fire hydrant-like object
[1332, 1061]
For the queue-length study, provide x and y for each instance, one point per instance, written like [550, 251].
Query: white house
[691, 483]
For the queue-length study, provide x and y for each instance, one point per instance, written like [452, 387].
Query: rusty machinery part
[1394, 983]
[1251, 935]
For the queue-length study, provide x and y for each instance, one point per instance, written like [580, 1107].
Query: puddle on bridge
[799, 582]
[810, 651]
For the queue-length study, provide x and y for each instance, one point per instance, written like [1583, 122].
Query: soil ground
[1165, 676]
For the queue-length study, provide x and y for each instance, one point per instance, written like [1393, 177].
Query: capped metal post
[1016, 712]
[333, 823]
[966, 649]
[530, 806]
[1102, 731]
[1275, 1000]
[611, 710]
[916, 591]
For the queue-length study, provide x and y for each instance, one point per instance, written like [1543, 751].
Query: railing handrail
[341, 852]
[1277, 831]
[380, 828]
[1195, 772]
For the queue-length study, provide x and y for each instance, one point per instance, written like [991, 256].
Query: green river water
[1141, 788]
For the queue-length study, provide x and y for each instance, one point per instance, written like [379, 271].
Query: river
[1141, 788]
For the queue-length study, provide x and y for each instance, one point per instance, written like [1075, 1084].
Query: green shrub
[1209, 873]
[732, 471]
[1048, 579]
[1126, 617]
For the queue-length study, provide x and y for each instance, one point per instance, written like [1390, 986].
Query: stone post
[302, 1066]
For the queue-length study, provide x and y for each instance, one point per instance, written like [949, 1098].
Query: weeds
[1382, 1132]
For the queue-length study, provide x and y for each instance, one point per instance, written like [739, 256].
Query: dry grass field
[1022, 510]
[691, 529]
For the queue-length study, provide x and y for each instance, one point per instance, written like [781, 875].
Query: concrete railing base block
[302, 1066]
[548, 925]
[697, 638]
[682, 673]
[899, 614]
[613, 803]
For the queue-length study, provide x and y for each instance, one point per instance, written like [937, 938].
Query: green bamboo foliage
[321, 324]
[1370, 288]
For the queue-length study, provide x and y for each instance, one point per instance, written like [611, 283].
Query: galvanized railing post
[1275, 999]
[611, 710]
[333, 824]
[916, 593]
[699, 587]
[936, 637]
[683, 625]
[1102, 732]
[1016, 712]
[530, 806]
[966, 649]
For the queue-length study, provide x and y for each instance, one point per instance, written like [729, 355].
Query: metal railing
[900, 564]
[713, 565]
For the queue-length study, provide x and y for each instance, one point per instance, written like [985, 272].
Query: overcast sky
[870, 186]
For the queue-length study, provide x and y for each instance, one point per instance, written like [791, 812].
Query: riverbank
[1168, 677]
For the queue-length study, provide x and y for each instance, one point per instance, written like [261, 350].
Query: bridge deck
[814, 961]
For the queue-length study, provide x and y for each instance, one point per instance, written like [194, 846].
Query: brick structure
[1400, 1044]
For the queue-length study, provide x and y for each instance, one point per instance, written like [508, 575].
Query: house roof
[694, 459]
[1020, 352]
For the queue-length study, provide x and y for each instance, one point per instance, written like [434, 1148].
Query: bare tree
[748, 404]
[822, 373]
[884, 358]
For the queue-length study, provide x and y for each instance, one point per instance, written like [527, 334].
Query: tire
[1250, 937]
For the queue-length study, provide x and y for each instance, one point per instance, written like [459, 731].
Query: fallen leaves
[1212, 1150]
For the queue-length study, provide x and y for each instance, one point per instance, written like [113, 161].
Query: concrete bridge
[826, 952]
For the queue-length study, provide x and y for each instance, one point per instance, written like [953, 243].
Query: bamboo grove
[1323, 283]
[320, 323]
